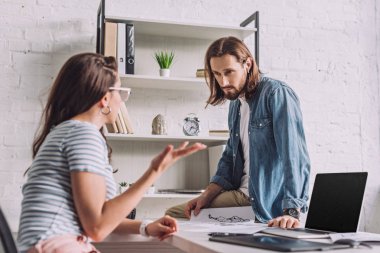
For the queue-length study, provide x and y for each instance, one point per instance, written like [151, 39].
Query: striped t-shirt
[48, 205]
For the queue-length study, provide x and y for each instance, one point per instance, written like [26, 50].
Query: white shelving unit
[183, 30]
[168, 83]
[171, 196]
[209, 141]
[171, 29]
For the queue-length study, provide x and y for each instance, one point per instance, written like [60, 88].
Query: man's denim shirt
[279, 161]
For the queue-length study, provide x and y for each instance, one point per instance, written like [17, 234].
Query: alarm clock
[191, 125]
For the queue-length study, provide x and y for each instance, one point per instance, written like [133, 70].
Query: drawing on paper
[232, 219]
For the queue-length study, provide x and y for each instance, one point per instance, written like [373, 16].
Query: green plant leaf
[164, 59]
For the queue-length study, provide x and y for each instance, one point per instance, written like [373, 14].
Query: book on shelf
[180, 191]
[115, 128]
[108, 128]
[110, 42]
[122, 121]
[219, 132]
[200, 73]
[127, 118]
[118, 124]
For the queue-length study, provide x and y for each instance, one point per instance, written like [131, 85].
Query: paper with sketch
[225, 214]
[228, 220]
[359, 237]
[249, 227]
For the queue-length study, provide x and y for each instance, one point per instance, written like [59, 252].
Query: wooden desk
[198, 242]
[184, 241]
[134, 243]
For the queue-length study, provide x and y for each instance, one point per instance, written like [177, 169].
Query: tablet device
[277, 243]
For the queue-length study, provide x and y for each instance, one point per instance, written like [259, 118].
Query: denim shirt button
[237, 134]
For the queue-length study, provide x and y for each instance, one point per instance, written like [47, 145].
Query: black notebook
[277, 243]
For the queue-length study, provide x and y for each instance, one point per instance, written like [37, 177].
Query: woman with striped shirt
[70, 195]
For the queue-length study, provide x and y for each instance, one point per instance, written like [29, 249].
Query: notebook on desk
[335, 206]
[277, 243]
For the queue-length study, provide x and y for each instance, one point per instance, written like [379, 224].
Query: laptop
[335, 206]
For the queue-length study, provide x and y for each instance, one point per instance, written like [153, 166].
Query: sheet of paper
[359, 237]
[226, 214]
[249, 227]
[228, 220]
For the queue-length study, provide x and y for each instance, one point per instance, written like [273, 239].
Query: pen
[225, 234]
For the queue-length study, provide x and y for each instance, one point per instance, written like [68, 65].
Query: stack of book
[119, 43]
[122, 124]
[200, 73]
[218, 133]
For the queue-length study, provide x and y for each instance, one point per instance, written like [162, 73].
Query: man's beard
[233, 93]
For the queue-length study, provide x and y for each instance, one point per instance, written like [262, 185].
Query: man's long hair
[235, 47]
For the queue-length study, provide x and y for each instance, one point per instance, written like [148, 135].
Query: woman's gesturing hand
[170, 155]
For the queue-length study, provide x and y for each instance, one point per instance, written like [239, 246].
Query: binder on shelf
[121, 47]
[127, 119]
[130, 41]
[110, 41]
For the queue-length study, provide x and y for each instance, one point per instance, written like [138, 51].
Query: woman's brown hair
[82, 81]
[235, 47]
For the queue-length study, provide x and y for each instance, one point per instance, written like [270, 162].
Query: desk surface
[198, 242]
[185, 241]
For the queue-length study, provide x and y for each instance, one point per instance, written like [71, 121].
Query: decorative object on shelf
[159, 125]
[191, 125]
[164, 60]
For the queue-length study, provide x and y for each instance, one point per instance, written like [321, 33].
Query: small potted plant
[123, 186]
[164, 60]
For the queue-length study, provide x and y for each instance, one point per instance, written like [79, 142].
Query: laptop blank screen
[336, 201]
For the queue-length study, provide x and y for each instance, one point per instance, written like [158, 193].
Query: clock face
[191, 127]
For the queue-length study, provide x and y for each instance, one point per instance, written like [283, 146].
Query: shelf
[168, 83]
[171, 196]
[207, 140]
[183, 30]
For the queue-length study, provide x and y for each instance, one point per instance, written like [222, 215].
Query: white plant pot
[151, 190]
[165, 72]
[123, 189]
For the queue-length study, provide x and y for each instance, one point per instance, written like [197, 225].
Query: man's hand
[203, 200]
[196, 204]
[285, 221]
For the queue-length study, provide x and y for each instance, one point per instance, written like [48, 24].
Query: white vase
[165, 72]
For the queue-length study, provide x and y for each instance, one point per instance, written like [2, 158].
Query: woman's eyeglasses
[124, 92]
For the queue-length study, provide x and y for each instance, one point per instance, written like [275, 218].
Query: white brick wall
[328, 51]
